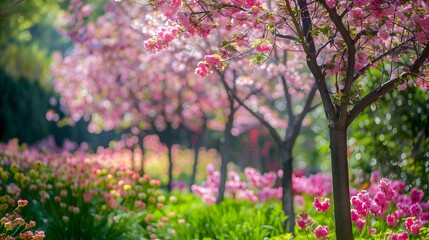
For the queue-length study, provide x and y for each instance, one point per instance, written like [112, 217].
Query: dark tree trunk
[197, 148]
[225, 152]
[143, 156]
[195, 164]
[170, 167]
[133, 161]
[340, 180]
[287, 194]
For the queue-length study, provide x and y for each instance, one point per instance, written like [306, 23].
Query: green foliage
[23, 106]
[394, 139]
[30, 62]
[231, 219]
[28, 36]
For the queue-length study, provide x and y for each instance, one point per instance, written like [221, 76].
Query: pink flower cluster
[321, 205]
[163, 37]
[304, 221]
[203, 67]
[13, 223]
[258, 188]
[386, 201]
[72, 183]
[319, 184]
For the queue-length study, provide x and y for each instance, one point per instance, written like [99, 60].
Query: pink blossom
[371, 230]
[321, 206]
[303, 220]
[375, 176]
[423, 22]
[354, 215]
[263, 47]
[360, 206]
[381, 203]
[210, 169]
[176, 3]
[13, 189]
[86, 197]
[299, 199]
[391, 220]
[385, 186]
[331, 3]
[414, 226]
[30, 224]
[402, 86]
[38, 235]
[403, 209]
[213, 60]
[360, 3]
[422, 37]
[321, 231]
[416, 195]
[22, 203]
[203, 69]
[415, 210]
[242, 41]
[360, 223]
[399, 186]
[26, 235]
[140, 204]
[398, 236]
[155, 183]
[356, 16]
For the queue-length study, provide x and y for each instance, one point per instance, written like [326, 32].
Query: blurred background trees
[28, 39]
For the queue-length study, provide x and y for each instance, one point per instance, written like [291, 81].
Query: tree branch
[257, 115]
[285, 36]
[386, 87]
[297, 124]
[288, 97]
[351, 58]
[311, 55]
[376, 59]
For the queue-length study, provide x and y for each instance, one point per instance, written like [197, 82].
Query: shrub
[231, 219]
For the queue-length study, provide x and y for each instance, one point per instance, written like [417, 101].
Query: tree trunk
[223, 175]
[142, 157]
[133, 161]
[170, 167]
[225, 152]
[340, 180]
[287, 194]
[197, 148]
[195, 164]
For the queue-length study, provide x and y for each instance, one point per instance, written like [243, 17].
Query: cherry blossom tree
[341, 39]
[110, 79]
[271, 88]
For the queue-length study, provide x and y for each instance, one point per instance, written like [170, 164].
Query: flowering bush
[261, 187]
[231, 219]
[383, 211]
[80, 195]
[258, 188]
